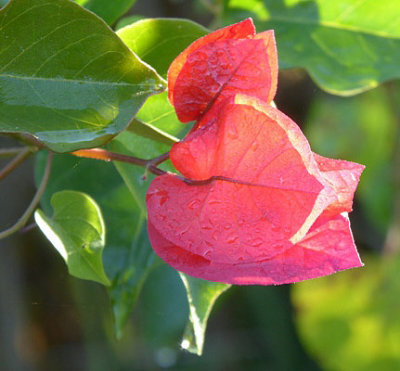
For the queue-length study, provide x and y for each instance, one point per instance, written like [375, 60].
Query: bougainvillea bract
[254, 204]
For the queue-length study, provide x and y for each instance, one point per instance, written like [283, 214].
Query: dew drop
[162, 196]
[232, 239]
[232, 132]
[254, 146]
[194, 204]
[257, 242]
[215, 235]
[275, 228]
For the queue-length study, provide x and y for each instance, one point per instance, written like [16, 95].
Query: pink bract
[228, 61]
[259, 207]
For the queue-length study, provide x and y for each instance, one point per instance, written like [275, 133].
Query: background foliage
[346, 321]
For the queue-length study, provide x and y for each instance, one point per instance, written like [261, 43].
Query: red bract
[258, 206]
[228, 61]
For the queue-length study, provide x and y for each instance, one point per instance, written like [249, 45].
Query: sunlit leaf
[346, 46]
[65, 77]
[158, 41]
[350, 321]
[77, 231]
[201, 296]
[110, 11]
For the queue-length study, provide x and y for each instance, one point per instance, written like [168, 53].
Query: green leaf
[159, 126]
[77, 231]
[110, 11]
[163, 309]
[346, 46]
[127, 21]
[360, 129]
[128, 256]
[158, 41]
[151, 39]
[65, 77]
[350, 321]
[201, 297]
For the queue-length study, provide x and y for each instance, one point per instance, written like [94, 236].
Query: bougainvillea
[254, 204]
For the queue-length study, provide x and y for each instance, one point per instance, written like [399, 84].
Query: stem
[151, 165]
[31, 208]
[392, 241]
[105, 155]
[15, 162]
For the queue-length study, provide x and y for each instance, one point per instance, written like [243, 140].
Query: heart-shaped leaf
[128, 256]
[346, 46]
[77, 231]
[71, 83]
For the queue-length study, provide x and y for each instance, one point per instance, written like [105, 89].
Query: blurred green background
[348, 321]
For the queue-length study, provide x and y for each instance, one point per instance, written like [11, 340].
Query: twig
[31, 208]
[15, 162]
[12, 151]
[105, 155]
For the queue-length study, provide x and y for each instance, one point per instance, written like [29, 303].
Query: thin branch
[12, 151]
[151, 165]
[105, 155]
[31, 208]
[15, 162]
[159, 159]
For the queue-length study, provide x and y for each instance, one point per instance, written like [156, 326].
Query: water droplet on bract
[257, 242]
[275, 228]
[254, 146]
[232, 239]
[194, 204]
[215, 235]
[162, 196]
[287, 230]
[220, 53]
[232, 132]
[227, 226]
